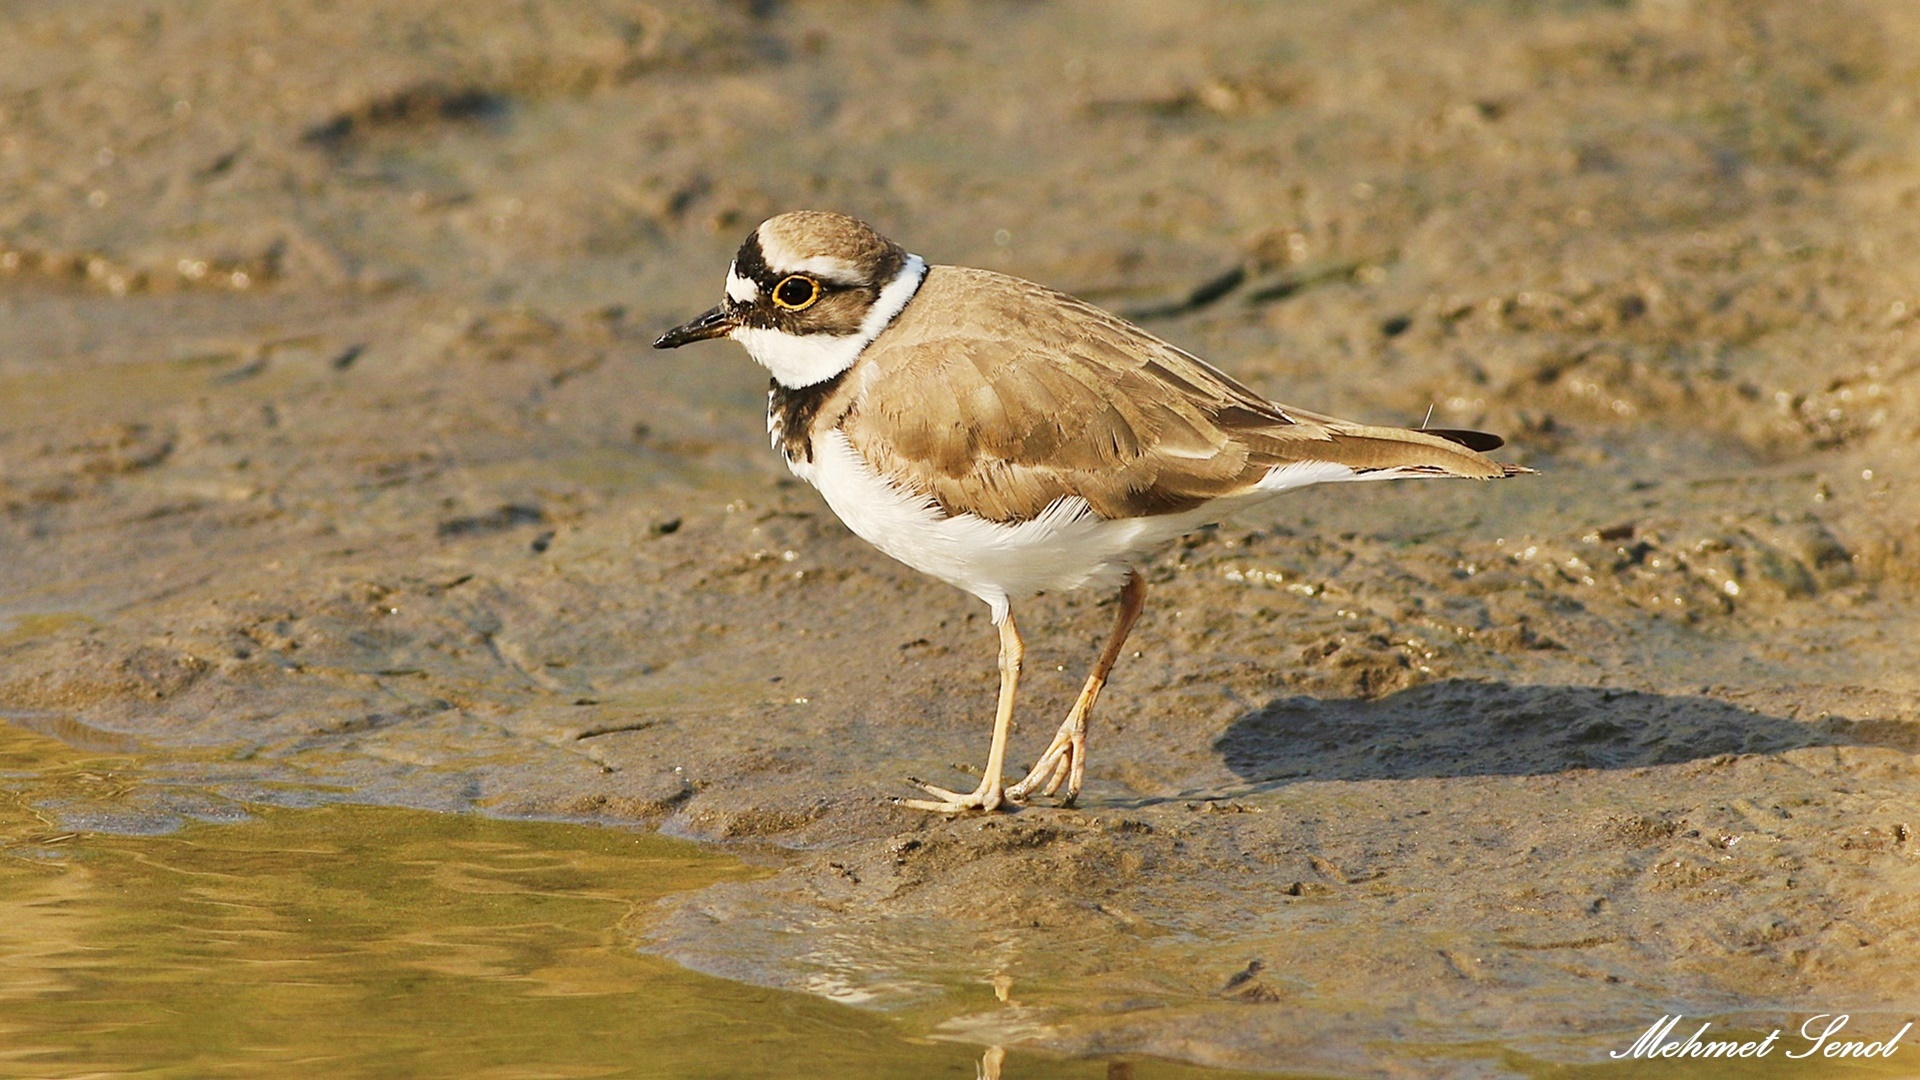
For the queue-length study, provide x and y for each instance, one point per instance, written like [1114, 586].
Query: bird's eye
[796, 293]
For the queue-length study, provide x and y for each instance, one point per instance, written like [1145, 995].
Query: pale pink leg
[990, 793]
[1065, 759]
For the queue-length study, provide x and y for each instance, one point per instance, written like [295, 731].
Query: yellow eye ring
[796, 292]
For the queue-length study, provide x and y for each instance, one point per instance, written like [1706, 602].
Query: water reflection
[367, 941]
[994, 1060]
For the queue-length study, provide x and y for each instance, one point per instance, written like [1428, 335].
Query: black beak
[711, 323]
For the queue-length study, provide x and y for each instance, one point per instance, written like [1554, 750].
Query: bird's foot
[1062, 762]
[988, 796]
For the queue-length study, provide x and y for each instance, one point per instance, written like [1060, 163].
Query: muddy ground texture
[332, 459]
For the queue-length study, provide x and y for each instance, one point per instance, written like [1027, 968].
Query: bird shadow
[1459, 728]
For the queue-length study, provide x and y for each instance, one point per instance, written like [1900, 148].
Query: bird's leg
[1065, 758]
[990, 793]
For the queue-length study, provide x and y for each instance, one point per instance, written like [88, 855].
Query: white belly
[1067, 547]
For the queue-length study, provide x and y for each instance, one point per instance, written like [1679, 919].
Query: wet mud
[332, 458]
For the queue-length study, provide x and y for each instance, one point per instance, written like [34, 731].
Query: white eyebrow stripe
[783, 259]
[831, 268]
[741, 290]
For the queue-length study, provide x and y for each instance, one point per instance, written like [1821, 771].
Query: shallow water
[380, 941]
[375, 941]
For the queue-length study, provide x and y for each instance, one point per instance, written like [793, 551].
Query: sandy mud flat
[332, 458]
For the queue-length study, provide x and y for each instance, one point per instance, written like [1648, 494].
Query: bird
[1010, 439]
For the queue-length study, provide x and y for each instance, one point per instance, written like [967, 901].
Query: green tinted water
[363, 941]
[366, 941]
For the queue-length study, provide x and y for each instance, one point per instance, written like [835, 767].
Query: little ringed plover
[1009, 439]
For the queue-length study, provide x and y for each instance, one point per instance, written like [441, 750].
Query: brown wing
[997, 396]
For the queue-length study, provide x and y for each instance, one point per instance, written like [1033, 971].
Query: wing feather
[993, 411]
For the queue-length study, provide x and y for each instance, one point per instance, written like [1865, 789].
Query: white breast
[1067, 547]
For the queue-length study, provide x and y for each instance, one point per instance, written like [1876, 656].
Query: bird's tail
[1387, 452]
